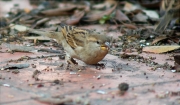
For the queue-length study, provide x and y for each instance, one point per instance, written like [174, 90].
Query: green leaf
[106, 17]
[102, 21]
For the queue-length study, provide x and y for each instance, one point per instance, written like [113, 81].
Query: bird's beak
[105, 46]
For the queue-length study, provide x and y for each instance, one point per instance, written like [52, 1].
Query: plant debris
[50, 100]
[123, 87]
[142, 34]
[15, 66]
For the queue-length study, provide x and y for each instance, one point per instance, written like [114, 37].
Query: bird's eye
[97, 42]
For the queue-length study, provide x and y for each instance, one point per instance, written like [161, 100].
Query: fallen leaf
[140, 18]
[129, 7]
[42, 21]
[151, 14]
[20, 28]
[59, 11]
[75, 18]
[51, 100]
[15, 66]
[157, 39]
[106, 4]
[121, 16]
[160, 49]
[150, 4]
[95, 17]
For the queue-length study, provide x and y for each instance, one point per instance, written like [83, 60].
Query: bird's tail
[51, 34]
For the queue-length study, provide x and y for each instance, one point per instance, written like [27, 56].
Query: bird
[86, 45]
[172, 11]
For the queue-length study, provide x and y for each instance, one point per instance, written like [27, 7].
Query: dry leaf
[106, 4]
[129, 7]
[75, 18]
[39, 22]
[160, 49]
[59, 11]
[152, 14]
[151, 4]
[95, 17]
[157, 39]
[54, 101]
[19, 28]
[121, 16]
[16, 66]
[140, 17]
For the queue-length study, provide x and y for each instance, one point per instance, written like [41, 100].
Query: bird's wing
[74, 36]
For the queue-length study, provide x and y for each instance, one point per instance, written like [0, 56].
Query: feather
[74, 36]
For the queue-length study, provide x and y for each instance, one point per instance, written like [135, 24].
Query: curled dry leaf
[172, 39]
[131, 14]
[85, 7]
[42, 21]
[160, 49]
[130, 7]
[59, 11]
[51, 100]
[157, 39]
[75, 18]
[106, 4]
[95, 17]
[16, 66]
[121, 16]
[153, 5]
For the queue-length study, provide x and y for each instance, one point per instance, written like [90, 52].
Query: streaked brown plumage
[85, 45]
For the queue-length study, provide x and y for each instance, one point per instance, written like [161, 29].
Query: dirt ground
[98, 87]
[42, 79]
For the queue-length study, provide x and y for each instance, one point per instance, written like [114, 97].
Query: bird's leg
[72, 64]
[100, 66]
[68, 61]
[73, 61]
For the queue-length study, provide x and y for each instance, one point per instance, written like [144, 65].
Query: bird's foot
[100, 66]
[73, 65]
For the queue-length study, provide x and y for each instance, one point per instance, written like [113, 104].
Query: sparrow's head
[98, 41]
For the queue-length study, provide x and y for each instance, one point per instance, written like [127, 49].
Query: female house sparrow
[172, 11]
[85, 45]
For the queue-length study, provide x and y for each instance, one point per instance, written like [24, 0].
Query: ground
[97, 86]
[38, 78]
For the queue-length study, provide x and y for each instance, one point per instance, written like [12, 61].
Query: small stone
[123, 87]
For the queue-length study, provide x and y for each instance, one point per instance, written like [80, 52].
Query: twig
[16, 18]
